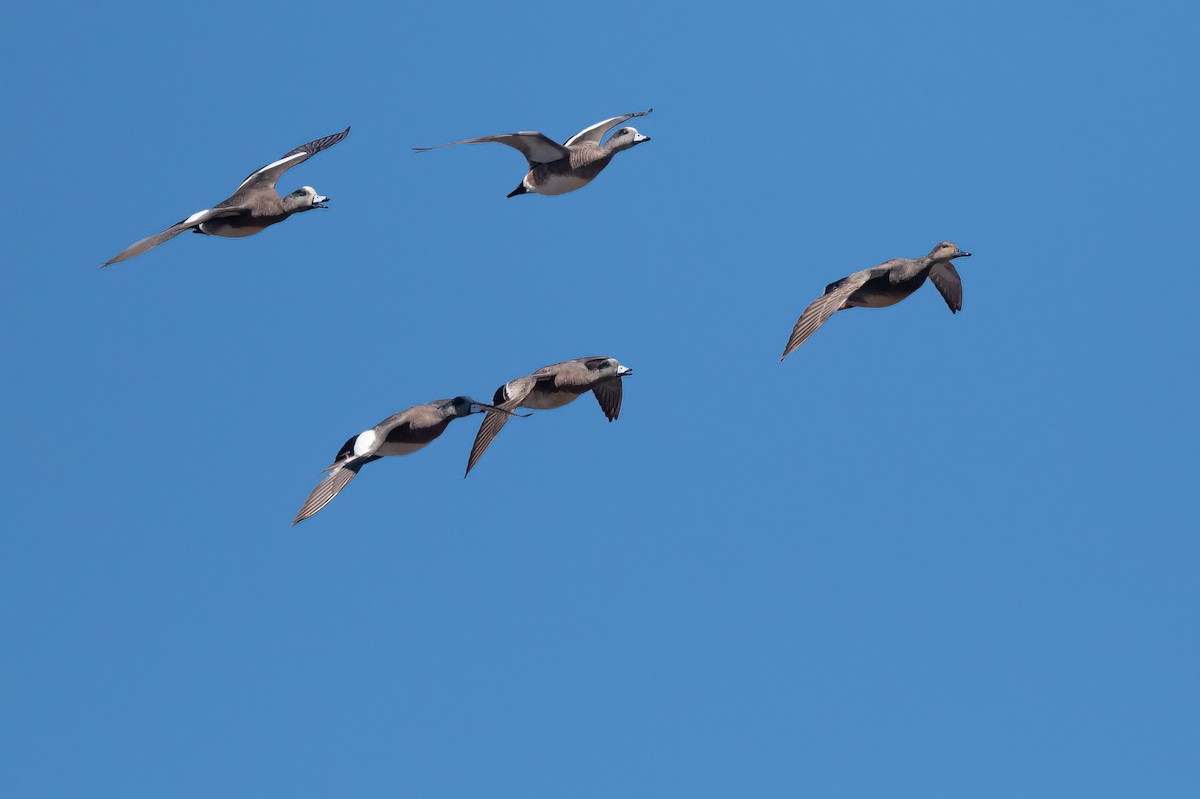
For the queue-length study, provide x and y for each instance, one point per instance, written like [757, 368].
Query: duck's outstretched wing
[267, 176]
[536, 147]
[946, 278]
[193, 221]
[608, 394]
[327, 489]
[596, 132]
[509, 397]
[825, 306]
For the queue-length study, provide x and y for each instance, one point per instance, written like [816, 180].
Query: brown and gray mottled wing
[536, 147]
[596, 132]
[327, 489]
[150, 242]
[493, 422]
[266, 177]
[608, 394]
[825, 306]
[946, 278]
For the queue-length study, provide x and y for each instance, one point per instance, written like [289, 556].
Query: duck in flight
[881, 286]
[559, 168]
[400, 434]
[255, 205]
[553, 387]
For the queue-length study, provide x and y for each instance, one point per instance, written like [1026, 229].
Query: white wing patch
[610, 122]
[271, 165]
[364, 442]
[192, 219]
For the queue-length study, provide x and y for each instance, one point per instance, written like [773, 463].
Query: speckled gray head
[945, 250]
[625, 138]
[304, 198]
[608, 367]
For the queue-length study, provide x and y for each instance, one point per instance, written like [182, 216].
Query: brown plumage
[560, 168]
[553, 387]
[254, 206]
[400, 434]
[881, 286]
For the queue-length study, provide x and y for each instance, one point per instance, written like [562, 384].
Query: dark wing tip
[317, 145]
[490, 428]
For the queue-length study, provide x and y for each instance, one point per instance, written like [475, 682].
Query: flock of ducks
[553, 169]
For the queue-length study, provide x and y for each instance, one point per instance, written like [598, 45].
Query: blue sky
[928, 555]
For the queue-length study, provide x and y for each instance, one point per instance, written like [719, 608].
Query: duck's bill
[624, 371]
[479, 407]
[319, 202]
[961, 254]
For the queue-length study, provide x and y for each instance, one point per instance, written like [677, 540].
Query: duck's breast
[237, 227]
[552, 183]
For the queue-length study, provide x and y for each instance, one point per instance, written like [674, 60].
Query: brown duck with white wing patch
[559, 168]
[400, 434]
[254, 206]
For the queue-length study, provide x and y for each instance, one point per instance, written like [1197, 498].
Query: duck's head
[304, 198]
[945, 250]
[465, 406]
[608, 367]
[625, 138]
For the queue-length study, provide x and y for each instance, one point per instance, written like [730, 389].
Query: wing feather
[608, 394]
[327, 489]
[267, 176]
[596, 132]
[536, 147]
[946, 278]
[825, 306]
[493, 422]
[193, 221]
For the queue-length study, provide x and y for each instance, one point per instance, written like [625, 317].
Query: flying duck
[881, 286]
[255, 205]
[553, 387]
[399, 434]
[559, 168]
